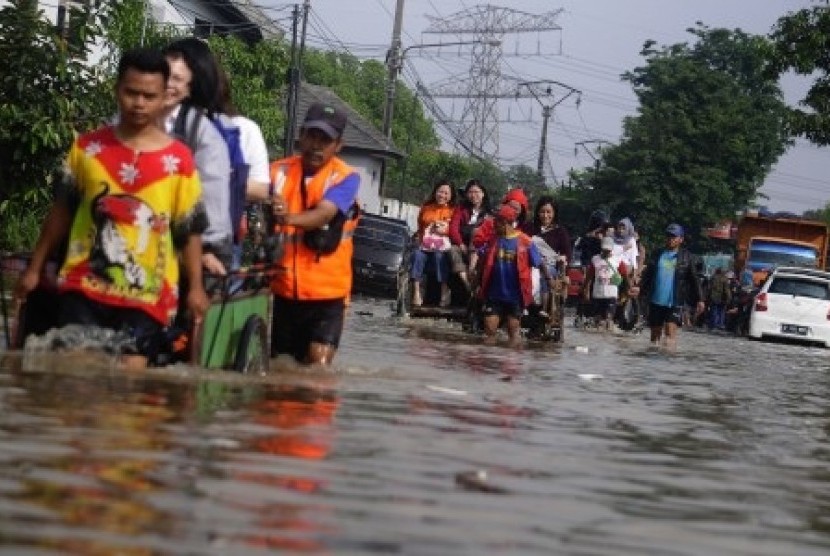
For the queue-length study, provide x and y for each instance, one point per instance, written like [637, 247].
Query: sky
[598, 41]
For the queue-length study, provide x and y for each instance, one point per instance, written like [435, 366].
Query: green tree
[257, 83]
[711, 124]
[256, 72]
[801, 41]
[48, 93]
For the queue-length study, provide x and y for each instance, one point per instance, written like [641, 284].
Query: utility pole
[394, 63]
[293, 78]
[543, 144]
[534, 87]
[306, 8]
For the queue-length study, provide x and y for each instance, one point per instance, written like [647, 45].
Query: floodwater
[426, 442]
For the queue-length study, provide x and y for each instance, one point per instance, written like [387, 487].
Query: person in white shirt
[252, 143]
[625, 244]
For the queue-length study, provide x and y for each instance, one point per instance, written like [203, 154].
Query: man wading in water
[670, 281]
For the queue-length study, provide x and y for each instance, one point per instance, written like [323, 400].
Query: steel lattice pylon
[484, 87]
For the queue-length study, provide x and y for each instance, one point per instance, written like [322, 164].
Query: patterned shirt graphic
[131, 204]
[504, 280]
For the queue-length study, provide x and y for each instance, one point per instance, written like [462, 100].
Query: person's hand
[440, 227]
[213, 265]
[197, 302]
[279, 208]
[634, 291]
[463, 249]
[701, 306]
[26, 284]
[551, 284]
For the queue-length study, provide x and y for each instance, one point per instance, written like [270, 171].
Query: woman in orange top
[433, 240]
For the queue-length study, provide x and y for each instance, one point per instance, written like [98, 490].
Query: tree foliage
[711, 124]
[47, 93]
[801, 42]
[50, 92]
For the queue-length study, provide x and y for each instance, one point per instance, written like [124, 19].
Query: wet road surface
[426, 442]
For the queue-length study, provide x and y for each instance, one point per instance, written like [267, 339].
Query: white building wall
[369, 168]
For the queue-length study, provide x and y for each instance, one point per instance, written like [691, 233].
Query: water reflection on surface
[426, 442]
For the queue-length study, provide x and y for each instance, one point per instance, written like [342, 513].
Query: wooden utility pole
[393, 63]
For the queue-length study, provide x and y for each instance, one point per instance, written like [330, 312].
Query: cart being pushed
[234, 334]
[543, 321]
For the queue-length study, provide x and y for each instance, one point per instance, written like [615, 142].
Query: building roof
[254, 13]
[244, 19]
[360, 134]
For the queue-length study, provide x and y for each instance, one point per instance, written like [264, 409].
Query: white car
[793, 304]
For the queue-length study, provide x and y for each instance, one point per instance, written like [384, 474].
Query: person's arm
[588, 282]
[338, 198]
[54, 230]
[696, 289]
[455, 228]
[310, 219]
[483, 233]
[256, 155]
[197, 300]
[566, 246]
[537, 261]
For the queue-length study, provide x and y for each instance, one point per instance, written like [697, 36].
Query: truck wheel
[252, 352]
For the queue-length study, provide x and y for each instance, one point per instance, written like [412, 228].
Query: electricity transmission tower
[484, 85]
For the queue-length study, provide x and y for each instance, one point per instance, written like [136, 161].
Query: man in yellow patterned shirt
[129, 204]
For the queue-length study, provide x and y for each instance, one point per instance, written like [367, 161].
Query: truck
[764, 242]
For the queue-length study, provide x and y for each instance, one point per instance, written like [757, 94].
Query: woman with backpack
[193, 101]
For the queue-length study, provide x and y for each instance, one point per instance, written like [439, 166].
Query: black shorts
[76, 308]
[502, 309]
[658, 315]
[603, 307]
[297, 324]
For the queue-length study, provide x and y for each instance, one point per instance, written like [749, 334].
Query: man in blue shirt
[669, 282]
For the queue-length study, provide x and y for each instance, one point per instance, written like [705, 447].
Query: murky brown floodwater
[721, 448]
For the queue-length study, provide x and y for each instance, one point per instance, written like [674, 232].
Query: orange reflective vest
[306, 274]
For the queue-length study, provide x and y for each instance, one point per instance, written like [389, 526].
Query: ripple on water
[717, 448]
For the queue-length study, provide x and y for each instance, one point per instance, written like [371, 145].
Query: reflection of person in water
[112, 447]
[303, 416]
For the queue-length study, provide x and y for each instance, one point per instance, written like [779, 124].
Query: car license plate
[794, 329]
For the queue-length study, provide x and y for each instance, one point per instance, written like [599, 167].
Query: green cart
[234, 334]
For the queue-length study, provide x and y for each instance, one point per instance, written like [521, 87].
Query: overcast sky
[599, 40]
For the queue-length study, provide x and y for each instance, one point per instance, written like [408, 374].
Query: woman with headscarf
[625, 243]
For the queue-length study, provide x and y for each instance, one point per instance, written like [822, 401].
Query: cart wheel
[252, 352]
[557, 314]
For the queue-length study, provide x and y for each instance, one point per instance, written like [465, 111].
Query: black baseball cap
[326, 118]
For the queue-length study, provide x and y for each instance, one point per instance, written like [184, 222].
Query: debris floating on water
[478, 481]
[445, 390]
[589, 377]
[581, 349]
